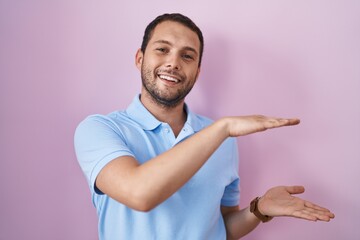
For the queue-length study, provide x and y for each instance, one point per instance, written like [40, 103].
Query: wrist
[224, 124]
[254, 208]
[259, 205]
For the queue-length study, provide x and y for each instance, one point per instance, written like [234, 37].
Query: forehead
[175, 33]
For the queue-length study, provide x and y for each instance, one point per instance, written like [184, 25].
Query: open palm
[278, 201]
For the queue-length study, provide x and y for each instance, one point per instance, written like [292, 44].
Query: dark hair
[175, 17]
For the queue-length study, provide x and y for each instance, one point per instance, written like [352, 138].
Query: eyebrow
[169, 43]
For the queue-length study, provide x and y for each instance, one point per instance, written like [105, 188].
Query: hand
[244, 125]
[278, 201]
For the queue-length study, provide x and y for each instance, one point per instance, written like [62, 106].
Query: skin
[173, 52]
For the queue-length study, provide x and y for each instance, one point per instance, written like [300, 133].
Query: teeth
[168, 78]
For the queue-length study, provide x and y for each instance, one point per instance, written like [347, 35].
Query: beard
[164, 98]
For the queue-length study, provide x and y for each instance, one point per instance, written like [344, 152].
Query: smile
[169, 78]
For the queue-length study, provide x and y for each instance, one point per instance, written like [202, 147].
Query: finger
[320, 210]
[293, 121]
[314, 206]
[304, 215]
[295, 189]
[320, 215]
[280, 122]
[324, 217]
[288, 121]
[313, 212]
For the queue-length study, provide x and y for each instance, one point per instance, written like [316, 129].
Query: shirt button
[166, 130]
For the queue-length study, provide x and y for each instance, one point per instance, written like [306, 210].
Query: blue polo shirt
[193, 212]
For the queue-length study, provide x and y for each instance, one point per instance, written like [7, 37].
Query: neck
[175, 116]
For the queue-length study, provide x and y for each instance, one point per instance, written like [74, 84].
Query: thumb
[295, 189]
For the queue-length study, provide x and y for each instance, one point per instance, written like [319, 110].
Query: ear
[139, 58]
[198, 73]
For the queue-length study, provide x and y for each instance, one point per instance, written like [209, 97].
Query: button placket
[168, 134]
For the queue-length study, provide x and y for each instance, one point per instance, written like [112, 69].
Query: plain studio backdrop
[63, 60]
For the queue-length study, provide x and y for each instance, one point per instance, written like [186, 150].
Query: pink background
[63, 60]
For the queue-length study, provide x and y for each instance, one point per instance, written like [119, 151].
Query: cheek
[146, 72]
[193, 74]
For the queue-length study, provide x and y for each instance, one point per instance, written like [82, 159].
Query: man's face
[169, 66]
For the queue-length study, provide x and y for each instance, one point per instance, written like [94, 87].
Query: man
[159, 171]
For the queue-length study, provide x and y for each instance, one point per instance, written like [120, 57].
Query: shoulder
[111, 120]
[96, 124]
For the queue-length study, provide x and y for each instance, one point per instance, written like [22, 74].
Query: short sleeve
[231, 195]
[98, 141]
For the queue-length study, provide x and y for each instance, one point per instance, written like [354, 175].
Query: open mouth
[168, 78]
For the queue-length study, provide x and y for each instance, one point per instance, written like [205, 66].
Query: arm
[143, 187]
[238, 222]
[276, 202]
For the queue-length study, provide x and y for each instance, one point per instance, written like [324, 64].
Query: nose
[173, 61]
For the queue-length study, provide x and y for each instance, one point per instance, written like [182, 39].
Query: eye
[162, 50]
[188, 57]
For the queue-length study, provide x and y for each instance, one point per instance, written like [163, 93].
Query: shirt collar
[193, 121]
[137, 111]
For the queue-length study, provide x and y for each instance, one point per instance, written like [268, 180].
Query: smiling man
[159, 171]
[171, 40]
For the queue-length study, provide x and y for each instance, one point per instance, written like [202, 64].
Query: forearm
[239, 223]
[144, 186]
[166, 173]
[171, 170]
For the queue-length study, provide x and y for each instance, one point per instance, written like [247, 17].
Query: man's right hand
[244, 125]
